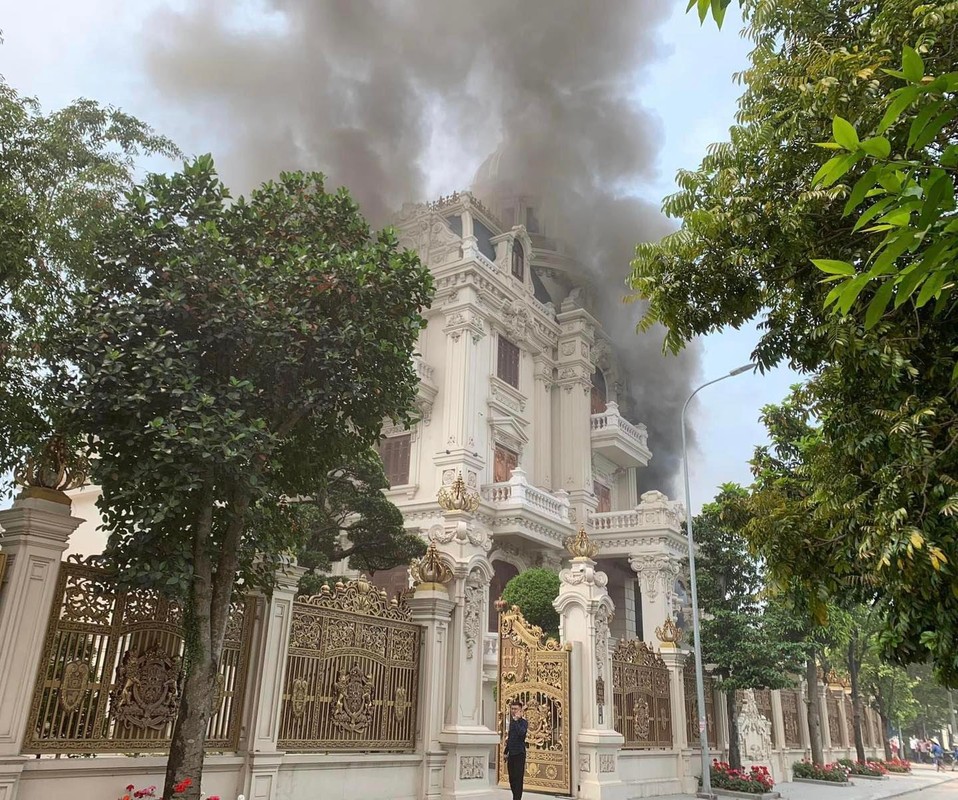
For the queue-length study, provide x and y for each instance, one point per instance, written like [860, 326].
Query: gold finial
[457, 498]
[430, 572]
[669, 635]
[580, 545]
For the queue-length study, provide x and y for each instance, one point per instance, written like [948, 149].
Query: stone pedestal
[432, 608]
[36, 530]
[585, 610]
[263, 758]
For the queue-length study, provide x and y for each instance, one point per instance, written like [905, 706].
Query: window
[393, 581]
[518, 261]
[508, 362]
[504, 462]
[395, 456]
[599, 393]
[604, 493]
[532, 221]
[484, 240]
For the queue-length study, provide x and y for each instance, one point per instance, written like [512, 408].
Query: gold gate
[642, 696]
[535, 671]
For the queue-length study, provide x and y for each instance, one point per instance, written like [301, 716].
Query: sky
[58, 51]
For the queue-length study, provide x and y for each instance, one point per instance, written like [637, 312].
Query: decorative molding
[606, 762]
[472, 613]
[472, 768]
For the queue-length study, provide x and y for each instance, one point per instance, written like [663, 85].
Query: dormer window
[518, 261]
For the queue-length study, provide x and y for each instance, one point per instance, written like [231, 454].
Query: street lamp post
[699, 672]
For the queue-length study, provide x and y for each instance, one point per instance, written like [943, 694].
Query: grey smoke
[383, 95]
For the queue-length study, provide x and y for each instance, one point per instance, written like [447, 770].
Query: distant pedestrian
[894, 746]
[936, 755]
[954, 755]
[516, 749]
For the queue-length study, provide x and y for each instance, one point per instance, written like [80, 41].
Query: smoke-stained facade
[403, 100]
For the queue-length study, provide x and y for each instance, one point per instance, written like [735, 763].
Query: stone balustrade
[516, 492]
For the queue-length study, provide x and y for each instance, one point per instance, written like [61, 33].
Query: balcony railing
[618, 439]
[516, 492]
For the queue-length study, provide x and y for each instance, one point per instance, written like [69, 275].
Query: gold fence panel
[111, 672]
[534, 670]
[692, 707]
[352, 673]
[791, 717]
[642, 696]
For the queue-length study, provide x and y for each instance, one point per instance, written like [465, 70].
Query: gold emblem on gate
[76, 675]
[298, 696]
[354, 700]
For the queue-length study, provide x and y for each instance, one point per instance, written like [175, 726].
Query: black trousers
[516, 765]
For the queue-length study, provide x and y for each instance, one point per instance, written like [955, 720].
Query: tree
[534, 591]
[891, 688]
[879, 464]
[740, 635]
[61, 178]
[232, 355]
[351, 504]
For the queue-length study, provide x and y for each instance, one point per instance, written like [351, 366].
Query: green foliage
[869, 507]
[351, 502]
[534, 591]
[61, 177]
[234, 354]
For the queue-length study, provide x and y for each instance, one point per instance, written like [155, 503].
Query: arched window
[599, 393]
[518, 261]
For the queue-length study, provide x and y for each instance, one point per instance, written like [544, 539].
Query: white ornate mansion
[523, 455]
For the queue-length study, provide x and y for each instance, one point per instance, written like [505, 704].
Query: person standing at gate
[516, 749]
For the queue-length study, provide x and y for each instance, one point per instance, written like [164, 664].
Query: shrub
[533, 591]
[897, 765]
[836, 773]
[755, 780]
[875, 768]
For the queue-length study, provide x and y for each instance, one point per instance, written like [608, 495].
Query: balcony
[655, 521]
[524, 510]
[624, 444]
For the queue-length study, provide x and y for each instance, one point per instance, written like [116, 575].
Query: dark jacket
[516, 741]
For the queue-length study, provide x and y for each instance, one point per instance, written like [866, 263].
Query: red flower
[182, 786]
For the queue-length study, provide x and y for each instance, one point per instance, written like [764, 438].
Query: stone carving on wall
[606, 762]
[472, 615]
[657, 574]
[602, 619]
[754, 731]
[585, 763]
[471, 768]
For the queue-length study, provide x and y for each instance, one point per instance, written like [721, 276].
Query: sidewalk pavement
[923, 776]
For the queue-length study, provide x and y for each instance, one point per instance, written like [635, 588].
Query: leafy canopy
[876, 467]
[534, 591]
[62, 176]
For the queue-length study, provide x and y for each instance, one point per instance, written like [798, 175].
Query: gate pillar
[464, 545]
[35, 532]
[431, 607]
[586, 610]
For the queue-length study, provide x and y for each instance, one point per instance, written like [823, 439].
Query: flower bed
[832, 773]
[868, 769]
[755, 780]
[897, 765]
[132, 793]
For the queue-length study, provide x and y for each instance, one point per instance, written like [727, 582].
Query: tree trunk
[734, 752]
[207, 612]
[886, 739]
[814, 712]
[857, 714]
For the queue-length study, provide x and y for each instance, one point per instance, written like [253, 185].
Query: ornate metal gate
[641, 692]
[535, 671]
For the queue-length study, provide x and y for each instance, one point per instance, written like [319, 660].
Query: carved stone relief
[472, 615]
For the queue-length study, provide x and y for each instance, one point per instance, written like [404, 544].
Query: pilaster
[574, 423]
[656, 572]
[585, 611]
[826, 723]
[675, 660]
[268, 682]
[543, 383]
[778, 721]
[35, 533]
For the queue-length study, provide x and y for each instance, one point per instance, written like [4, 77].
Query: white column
[464, 545]
[585, 611]
[268, 683]
[36, 530]
[542, 423]
[432, 608]
[826, 724]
